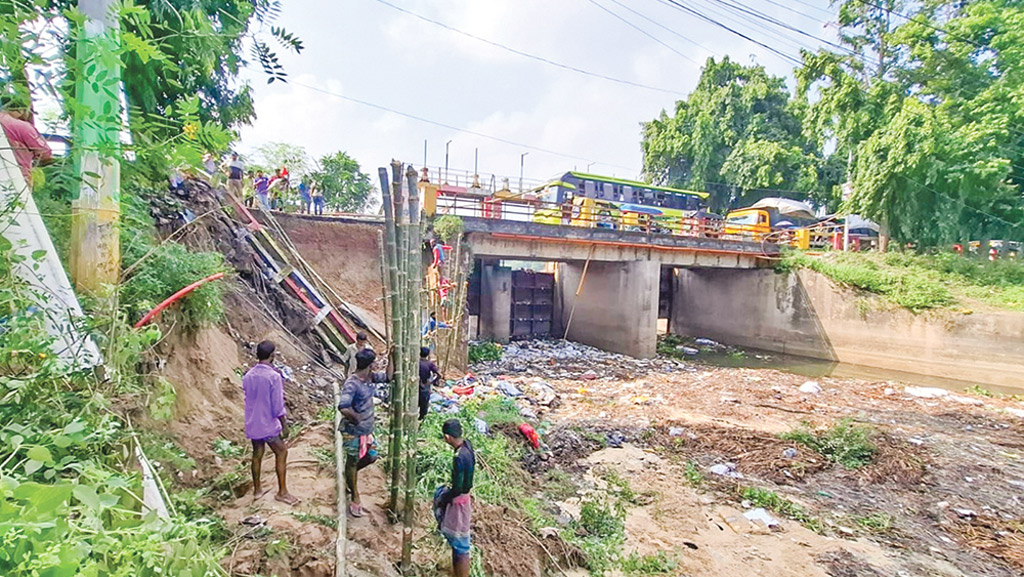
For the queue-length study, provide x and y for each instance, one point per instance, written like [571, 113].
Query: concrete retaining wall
[806, 314]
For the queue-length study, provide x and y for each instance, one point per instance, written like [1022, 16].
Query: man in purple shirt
[265, 422]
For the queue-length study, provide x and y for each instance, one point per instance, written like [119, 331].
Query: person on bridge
[236, 170]
[356, 407]
[304, 194]
[429, 375]
[318, 199]
[262, 186]
[28, 145]
[265, 421]
[453, 506]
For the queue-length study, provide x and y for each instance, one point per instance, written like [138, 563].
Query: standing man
[356, 406]
[265, 422]
[455, 504]
[28, 146]
[318, 199]
[304, 193]
[262, 186]
[348, 358]
[428, 376]
[236, 170]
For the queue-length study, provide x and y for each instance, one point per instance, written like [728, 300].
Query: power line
[641, 30]
[529, 55]
[458, 129]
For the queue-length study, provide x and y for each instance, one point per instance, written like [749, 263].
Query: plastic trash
[810, 387]
[760, 515]
[926, 392]
[705, 343]
[676, 431]
[689, 351]
[508, 389]
[481, 426]
[615, 439]
[726, 470]
[464, 390]
[589, 376]
[789, 453]
[531, 435]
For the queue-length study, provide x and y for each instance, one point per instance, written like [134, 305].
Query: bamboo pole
[339, 459]
[385, 285]
[457, 258]
[395, 425]
[414, 277]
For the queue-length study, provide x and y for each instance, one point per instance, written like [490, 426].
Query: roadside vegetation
[920, 282]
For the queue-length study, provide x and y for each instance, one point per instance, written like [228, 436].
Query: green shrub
[601, 519]
[661, 563]
[448, 227]
[484, 351]
[847, 444]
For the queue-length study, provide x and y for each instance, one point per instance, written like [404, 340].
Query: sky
[372, 53]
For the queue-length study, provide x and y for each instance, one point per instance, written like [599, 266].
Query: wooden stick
[579, 289]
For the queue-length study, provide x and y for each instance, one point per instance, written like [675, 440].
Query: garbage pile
[557, 359]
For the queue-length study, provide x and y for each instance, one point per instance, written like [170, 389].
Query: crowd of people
[271, 190]
[266, 425]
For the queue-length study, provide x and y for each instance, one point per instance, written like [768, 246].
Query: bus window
[549, 195]
[589, 189]
[628, 194]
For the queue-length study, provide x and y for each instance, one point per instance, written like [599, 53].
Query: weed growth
[845, 443]
[484, 351]
[318, 519]
[694, 476]
[661, 563]
[226, 449]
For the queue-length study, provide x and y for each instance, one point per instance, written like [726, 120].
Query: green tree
[921, 106]
[270, 157]
[735, 135]
[345, 187]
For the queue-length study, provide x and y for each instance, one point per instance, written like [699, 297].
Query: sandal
[356, 510]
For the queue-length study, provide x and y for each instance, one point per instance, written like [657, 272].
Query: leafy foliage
[345, 186]
[484, 351]
[449, 227]
[735, 135]
[845, 443]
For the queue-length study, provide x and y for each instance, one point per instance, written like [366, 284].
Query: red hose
[160, 307]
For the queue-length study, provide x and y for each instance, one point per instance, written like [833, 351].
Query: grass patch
[325, 457]
[845, 443]
[771, 500]
[661, 563]
[484, 351]
[559, 485]
[318, 519]
[875, 522]
[226, 449]
[694, 476]
[920, 282]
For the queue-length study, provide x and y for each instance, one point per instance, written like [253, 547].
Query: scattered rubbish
[481, 426]
[825, 494]
[566, 360]
[702, 342]
[548, 532]
[761, 515]
[508, 389]
[689, 350]
[726, 470]
[1015, 412]
[286, 372]
[965, 400]
[531, 435]
[691, 545]
[789, 453]
[964, 513]
[676, 431]
[542, 393]
[463, 390]
[926, 392]
[810, 387]
[915, 441]
[615, 439]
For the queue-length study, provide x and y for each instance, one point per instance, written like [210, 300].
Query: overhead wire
[528, 54]
[459, 129]
[641, 30]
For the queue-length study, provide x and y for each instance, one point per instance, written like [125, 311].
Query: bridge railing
[567, 214]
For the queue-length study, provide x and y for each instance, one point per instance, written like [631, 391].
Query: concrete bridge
[607, 288]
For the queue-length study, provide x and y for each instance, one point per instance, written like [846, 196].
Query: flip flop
[356, 510]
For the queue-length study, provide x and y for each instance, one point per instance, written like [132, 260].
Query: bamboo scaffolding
[414, 277]
[392, 193]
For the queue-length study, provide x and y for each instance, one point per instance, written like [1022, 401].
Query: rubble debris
[508, 389]
[566, 360]
[615, 439]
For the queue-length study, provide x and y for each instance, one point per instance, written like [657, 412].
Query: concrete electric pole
[95, 214]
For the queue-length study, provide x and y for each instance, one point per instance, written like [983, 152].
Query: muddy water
[815, 368]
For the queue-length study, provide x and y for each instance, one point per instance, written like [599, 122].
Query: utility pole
[522, 158]
[446, 161]
[95, 214]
